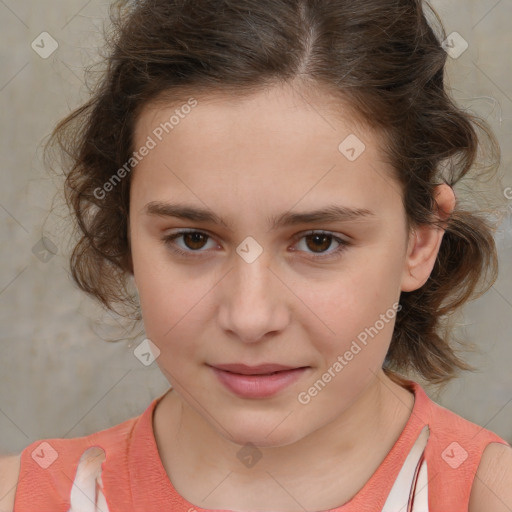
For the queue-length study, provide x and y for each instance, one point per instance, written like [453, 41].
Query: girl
[276, 179]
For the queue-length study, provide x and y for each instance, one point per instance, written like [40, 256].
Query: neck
[197, 458]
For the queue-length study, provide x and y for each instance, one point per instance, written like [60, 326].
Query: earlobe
[425, 241]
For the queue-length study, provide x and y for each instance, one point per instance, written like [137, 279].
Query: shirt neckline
[149, 479]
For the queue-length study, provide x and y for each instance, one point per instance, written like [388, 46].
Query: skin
[246, 160]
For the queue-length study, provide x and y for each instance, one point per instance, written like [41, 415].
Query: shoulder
[450, 428]
[49, 467]
[492, 487]
[467, 464]
[42, 475]
[9, 473]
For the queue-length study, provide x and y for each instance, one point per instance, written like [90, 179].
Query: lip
[257, 384]
[260, 369]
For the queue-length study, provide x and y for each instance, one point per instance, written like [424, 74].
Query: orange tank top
[430, 468]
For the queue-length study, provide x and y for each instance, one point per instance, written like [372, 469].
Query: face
[255, 278]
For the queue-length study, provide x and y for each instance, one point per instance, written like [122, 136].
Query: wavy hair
[381, 57]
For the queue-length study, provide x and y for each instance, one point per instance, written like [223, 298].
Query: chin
[264, 434]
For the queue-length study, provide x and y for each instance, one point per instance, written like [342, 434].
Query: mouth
[260, 381]
[261, 369]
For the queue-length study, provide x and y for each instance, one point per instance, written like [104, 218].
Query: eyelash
[168, 241]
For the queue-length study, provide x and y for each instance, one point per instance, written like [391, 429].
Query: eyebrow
[330, 213]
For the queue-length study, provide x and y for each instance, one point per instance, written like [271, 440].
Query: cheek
[358, 294]
[362, 320]
[158, 289]
[168, 305]
[172, 323]
[174, 304]
[354, 316]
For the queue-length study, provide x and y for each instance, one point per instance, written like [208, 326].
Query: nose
[253, 302]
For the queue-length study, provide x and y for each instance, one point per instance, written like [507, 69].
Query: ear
[425, 241]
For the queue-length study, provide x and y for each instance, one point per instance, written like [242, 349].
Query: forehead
[279, 141]
[269, 110]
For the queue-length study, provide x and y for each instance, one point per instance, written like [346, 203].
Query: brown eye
[191, 244]
[319, 242]
[195, 240]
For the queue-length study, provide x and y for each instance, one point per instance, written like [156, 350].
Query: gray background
[58, 378]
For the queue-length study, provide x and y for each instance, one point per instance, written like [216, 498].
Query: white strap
[87, 491]
[410, 490]
[420, 503]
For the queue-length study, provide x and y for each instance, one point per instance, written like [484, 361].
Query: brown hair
[381, 57]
